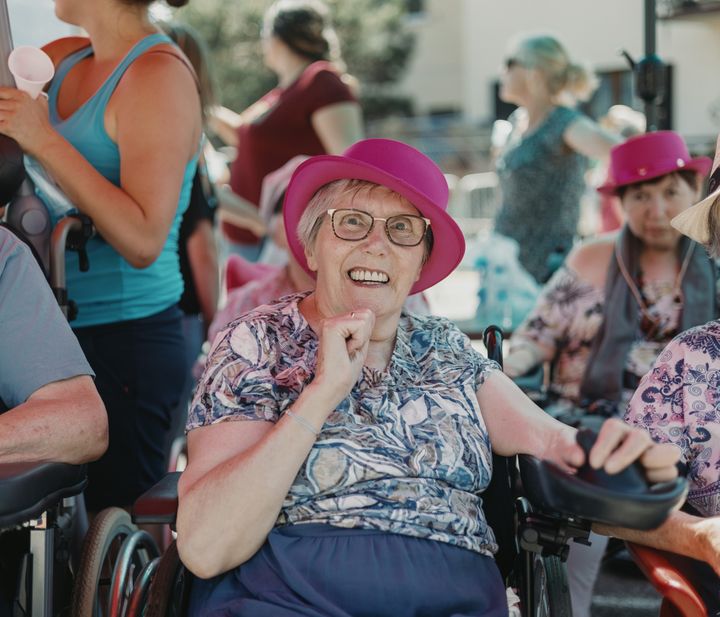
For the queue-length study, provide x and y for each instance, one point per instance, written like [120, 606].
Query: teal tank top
[112, 290]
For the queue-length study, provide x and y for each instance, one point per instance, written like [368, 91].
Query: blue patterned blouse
[678, 402]
[406, 452]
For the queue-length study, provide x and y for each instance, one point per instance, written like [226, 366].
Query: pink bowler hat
[649, 156]
[396, 166]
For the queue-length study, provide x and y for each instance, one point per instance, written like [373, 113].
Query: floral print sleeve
[678, 402]
[236, 384]
[564, 298]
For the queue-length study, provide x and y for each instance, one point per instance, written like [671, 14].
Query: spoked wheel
[141, 588]
[551, 594]
[170, 587]
[114, 554]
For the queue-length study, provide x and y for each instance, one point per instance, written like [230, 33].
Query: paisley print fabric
[406, 452]
[678, 402]
[566, 318]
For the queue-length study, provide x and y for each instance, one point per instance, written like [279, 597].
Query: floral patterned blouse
[568, 315]
[406, 452]
[679, 402]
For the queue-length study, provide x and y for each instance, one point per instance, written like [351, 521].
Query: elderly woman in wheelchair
[678, 402]
[605, 316]
[338, 446]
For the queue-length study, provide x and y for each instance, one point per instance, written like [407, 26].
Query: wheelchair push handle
[624, 499]
[630, 479]
[493, 340]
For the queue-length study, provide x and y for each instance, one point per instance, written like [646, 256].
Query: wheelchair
[65, 568]
[664, 571]
[534, 508]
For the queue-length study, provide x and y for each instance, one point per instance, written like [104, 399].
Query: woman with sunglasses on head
[606, 314]
[542, 166]
[339, 446]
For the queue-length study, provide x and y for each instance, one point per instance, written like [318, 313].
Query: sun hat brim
[700, 164]
[449, 242]
[693, 222]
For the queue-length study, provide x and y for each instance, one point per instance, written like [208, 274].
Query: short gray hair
[328, 195]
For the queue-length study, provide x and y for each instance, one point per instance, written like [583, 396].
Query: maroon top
[281, 132]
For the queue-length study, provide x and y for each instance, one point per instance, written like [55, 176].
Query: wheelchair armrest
[658, 568]
[549, 487]
[29, 489]
[158, 504]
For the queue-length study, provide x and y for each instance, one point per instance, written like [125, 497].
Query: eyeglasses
[401, 229]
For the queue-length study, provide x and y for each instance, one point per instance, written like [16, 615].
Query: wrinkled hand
[343, 347]
[618, 445]
[24, 119]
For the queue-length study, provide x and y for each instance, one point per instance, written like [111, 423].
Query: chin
[661, 242]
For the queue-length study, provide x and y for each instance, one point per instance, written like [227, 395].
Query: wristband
[302, 422]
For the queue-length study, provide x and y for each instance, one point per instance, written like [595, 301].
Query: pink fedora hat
[649, 156]
[396, 166]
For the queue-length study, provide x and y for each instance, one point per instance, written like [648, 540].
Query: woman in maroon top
[313, 109]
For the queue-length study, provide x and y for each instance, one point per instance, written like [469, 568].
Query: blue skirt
[318, 570]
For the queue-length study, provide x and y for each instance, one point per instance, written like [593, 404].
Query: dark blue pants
[140, 373]
[322, 571]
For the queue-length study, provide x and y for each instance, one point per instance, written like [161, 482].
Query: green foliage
[375, 42]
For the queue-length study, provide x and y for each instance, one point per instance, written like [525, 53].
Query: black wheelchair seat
[29, 489]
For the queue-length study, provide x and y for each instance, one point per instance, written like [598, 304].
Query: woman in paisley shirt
[338, 446]
[607, 313]
[678, 402]
[605, 316]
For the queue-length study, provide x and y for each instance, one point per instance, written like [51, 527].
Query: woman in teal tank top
[120, 133]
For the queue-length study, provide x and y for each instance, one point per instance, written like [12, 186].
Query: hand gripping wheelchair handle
[623, 500]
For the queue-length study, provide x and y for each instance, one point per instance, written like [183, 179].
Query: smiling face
[370, 273]
[650, 206]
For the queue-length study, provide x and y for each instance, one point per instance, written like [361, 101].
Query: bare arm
[338, 126]
[224, 123]
[517, 426]
[239, 211]
[63, 421]
[134, 218]
[588, 138]
[239, 473]
[681, 533]
[235, 483]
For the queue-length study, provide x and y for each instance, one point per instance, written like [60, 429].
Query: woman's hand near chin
[25, 120]
[343, 347]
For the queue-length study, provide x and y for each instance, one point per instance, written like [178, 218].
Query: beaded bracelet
[302, 422]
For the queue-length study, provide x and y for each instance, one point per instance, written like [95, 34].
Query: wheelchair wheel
[170, 587]
[114, 550]
[551, 594]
